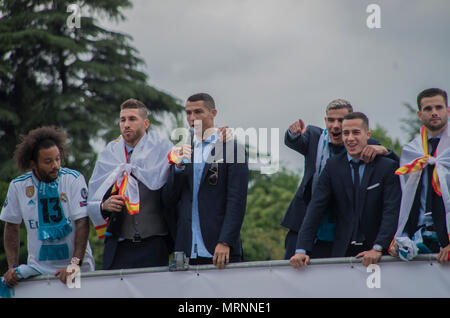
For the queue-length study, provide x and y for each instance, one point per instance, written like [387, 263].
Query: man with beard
[125, 190]
[424, 223]
[317, 146]
[51, 200]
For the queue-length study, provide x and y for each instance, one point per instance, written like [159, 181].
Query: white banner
[274, 279]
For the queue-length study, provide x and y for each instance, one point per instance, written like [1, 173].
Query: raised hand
[298, 127]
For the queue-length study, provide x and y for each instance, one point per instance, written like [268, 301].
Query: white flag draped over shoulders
[148, 163]
[409, 182]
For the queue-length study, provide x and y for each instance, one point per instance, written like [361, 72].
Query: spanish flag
[420, 163]
[131, 195]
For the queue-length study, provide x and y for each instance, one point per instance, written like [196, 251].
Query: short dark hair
[133, 103]
[431, 92]
[339, 104]
[206, 98]
[40, 138]
[358, 115]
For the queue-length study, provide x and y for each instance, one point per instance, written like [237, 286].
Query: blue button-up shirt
[362, 166]
[202, 149]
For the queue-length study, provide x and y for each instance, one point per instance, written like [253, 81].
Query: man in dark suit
[210, 192]
[366, 195]
[317, 145]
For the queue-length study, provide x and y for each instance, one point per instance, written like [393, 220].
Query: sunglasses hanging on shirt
[213, 177]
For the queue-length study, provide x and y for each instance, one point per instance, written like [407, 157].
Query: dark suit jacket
[380, 204]
[306, 144]
[221, 207]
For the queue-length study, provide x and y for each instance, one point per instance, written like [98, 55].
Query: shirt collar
[350, 158]
[438, 137]
[211, 139]
[129, 148]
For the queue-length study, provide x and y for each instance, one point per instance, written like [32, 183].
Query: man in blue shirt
[210, 192]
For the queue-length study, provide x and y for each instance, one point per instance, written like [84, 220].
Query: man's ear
[419, 115]
[147, 123]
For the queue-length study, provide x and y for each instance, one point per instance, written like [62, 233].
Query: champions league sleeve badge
[84, 193]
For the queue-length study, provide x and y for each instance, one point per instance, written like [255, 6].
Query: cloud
[268, 63]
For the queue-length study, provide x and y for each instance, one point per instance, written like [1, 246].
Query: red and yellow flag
[132, 208]
[101, 230]
[419, 163]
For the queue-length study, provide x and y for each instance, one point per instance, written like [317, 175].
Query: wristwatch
[75, 261]
[378, 248]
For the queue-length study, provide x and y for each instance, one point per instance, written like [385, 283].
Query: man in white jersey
[51, 201]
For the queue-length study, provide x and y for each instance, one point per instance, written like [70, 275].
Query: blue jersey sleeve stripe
[75, 173]
[22, 177]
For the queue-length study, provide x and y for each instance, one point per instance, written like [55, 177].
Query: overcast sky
[269, 62]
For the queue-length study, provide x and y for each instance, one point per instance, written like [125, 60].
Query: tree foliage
[411, 123]
[267, 201]
[75, 79]
[382, 136]
[72, 78]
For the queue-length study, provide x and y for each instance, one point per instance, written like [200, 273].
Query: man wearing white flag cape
[124, 194]
[424, 221]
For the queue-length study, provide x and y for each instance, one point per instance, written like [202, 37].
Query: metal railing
[256, 264]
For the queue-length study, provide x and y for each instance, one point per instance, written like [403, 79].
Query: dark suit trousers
[321, 249]
[151, 252]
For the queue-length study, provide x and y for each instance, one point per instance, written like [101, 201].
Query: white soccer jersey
[22, 205]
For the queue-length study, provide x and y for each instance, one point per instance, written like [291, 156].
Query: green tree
[75, 78]
[411, 123]
[267, 200]
[72, 78]
[382, 136]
